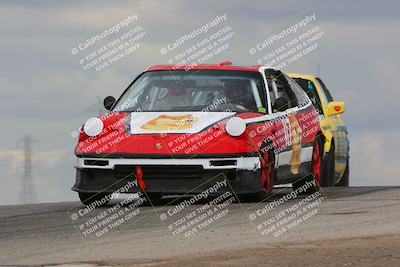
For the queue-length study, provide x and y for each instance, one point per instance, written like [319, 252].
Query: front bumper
[168, 176]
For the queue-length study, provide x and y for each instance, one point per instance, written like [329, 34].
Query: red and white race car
[176, 127]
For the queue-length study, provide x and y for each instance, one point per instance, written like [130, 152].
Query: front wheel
[267, 166]
[344, 181]
[267, 176]
[328, 169]
[267, 169]
[311, 183]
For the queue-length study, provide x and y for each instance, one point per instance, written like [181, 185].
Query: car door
[307, 120]
[287, 141]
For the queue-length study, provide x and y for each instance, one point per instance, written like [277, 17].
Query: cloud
[374, 159]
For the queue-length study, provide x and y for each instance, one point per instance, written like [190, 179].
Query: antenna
[318, 71]
[27, 193]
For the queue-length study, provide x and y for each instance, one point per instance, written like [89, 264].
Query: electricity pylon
[27, 193]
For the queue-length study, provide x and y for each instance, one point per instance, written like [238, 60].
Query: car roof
[226, 65]
[304, 76]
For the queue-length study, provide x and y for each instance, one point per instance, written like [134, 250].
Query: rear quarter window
[310, 89]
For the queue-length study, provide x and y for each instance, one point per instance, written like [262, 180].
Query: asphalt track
[45, 234]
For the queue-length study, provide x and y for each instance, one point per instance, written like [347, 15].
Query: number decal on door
[295, 142]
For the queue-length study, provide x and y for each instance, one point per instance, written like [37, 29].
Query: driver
[239, 93]
[177, 95]
[172, 96]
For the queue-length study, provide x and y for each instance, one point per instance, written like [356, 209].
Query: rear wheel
[344, 181]
[89, 198]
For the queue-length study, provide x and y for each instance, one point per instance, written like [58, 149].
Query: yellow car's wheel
[344, 181]
[328, 169]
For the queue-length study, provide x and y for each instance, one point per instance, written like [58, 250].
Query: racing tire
[267, 177]
[344, 181]
[328, 169]
[315, 173]
[267, 166]
[89, 198]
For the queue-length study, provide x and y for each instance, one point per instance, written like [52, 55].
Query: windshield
[204, 90]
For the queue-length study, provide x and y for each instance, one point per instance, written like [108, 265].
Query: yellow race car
[336, 147]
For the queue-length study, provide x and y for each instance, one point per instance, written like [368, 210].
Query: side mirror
[109, 102]
[336, 108]
[281, 104]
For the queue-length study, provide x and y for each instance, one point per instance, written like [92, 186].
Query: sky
[47, 94]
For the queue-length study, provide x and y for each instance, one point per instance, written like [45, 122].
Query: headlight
[93, 126]
[235, 126]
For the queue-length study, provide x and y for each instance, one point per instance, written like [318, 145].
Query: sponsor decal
[166, 122]
[174, 122]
